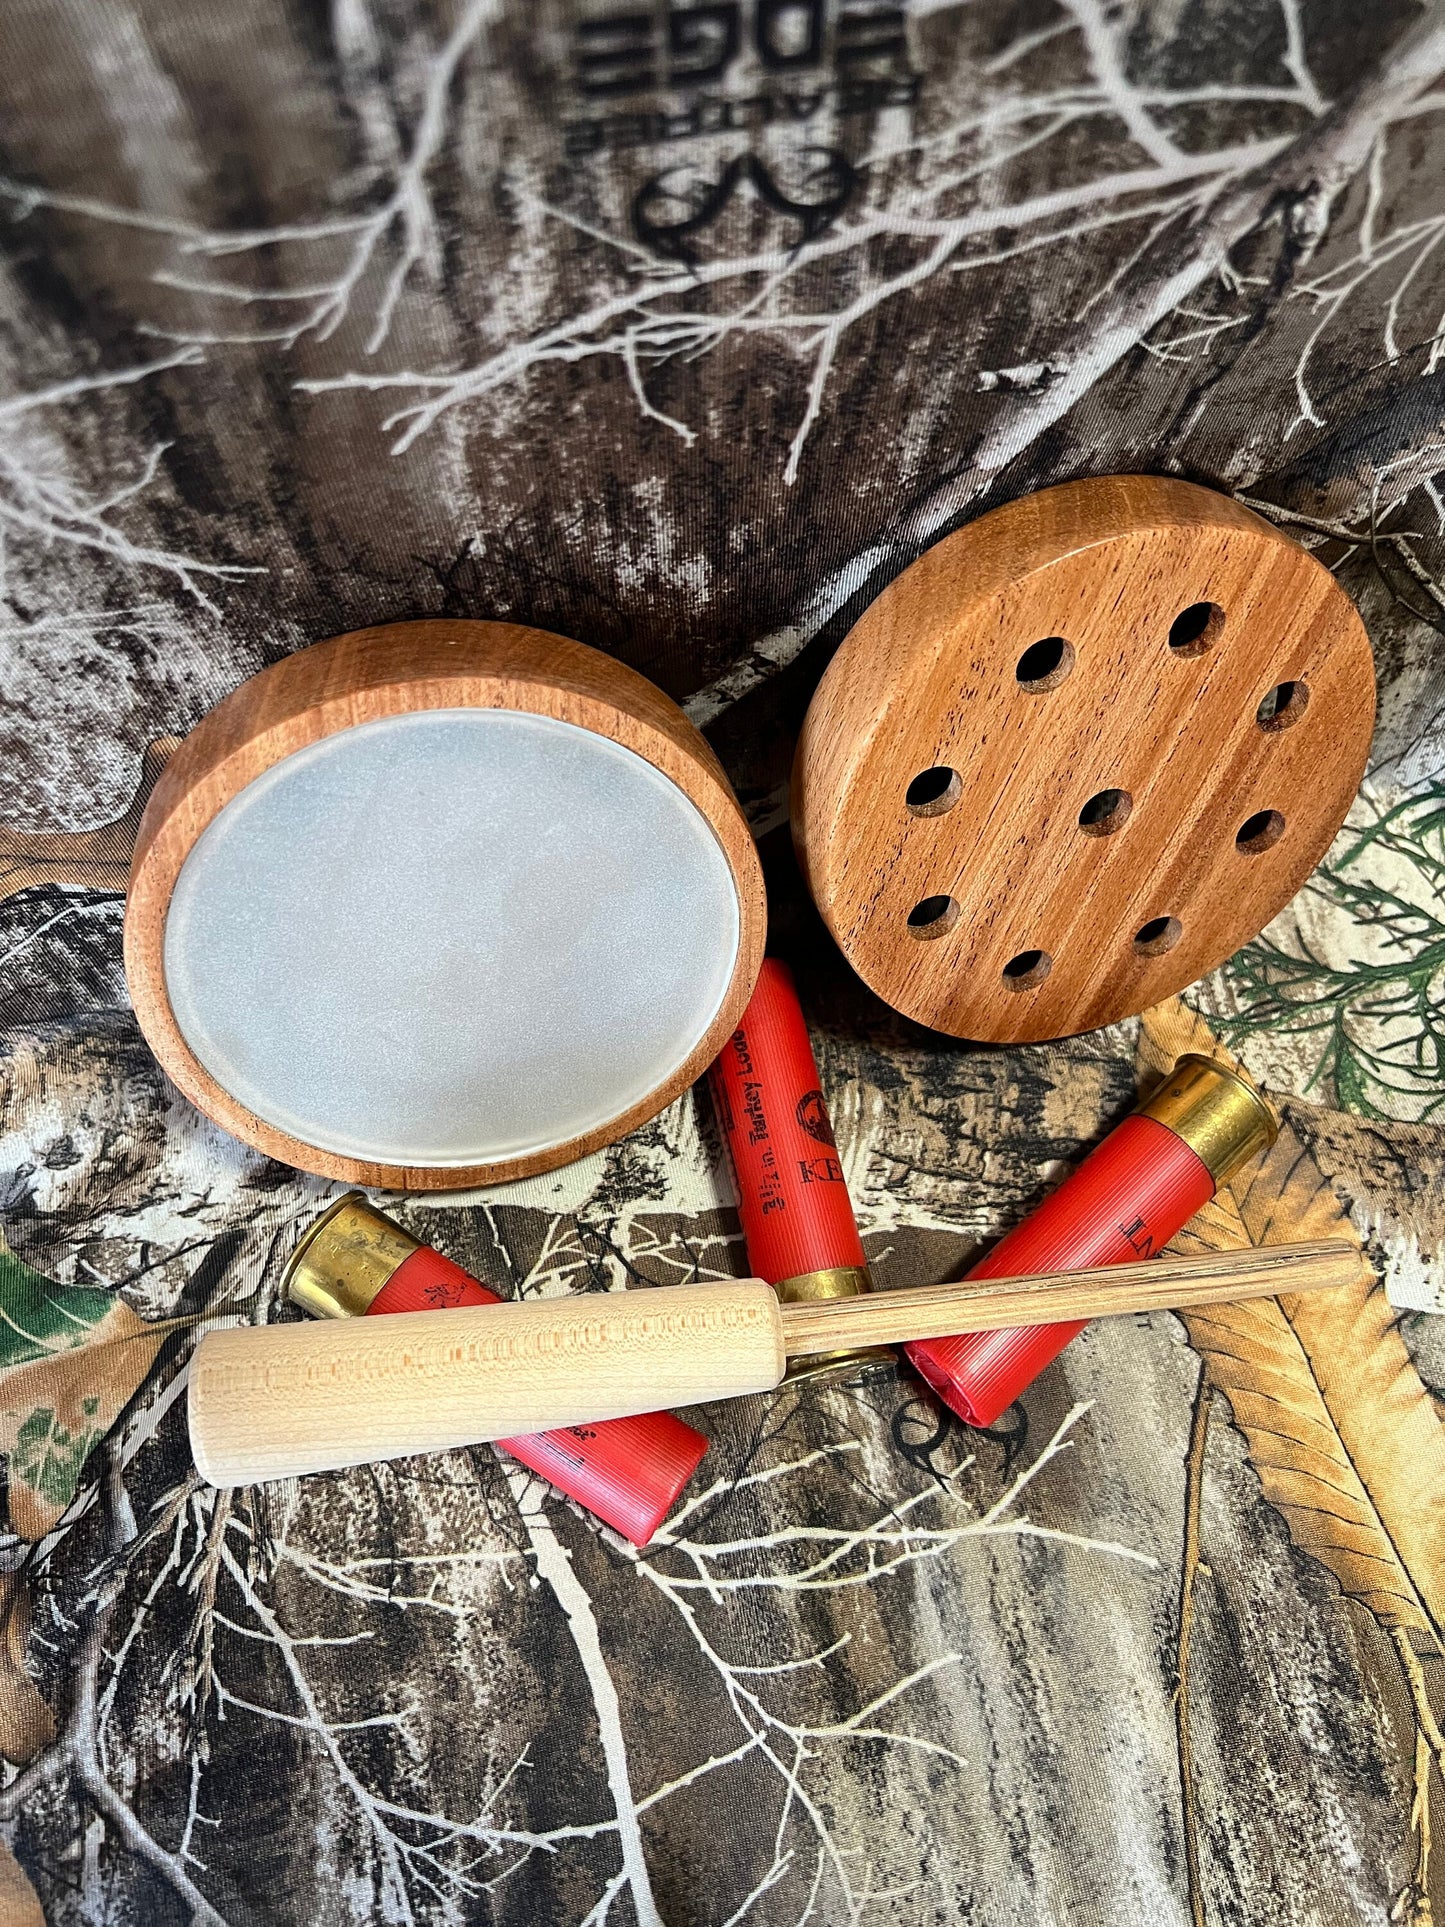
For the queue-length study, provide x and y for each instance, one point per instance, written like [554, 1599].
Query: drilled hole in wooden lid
[1031, 652]
[934, 791]
[1260, 832]
[1283, 706]
[932, 917]
[1044, 664]
[1027, 970]
[1158, 935]
[1196, 629]
[1105, 812]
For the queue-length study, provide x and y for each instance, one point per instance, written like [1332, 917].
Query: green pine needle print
[1375, 1019]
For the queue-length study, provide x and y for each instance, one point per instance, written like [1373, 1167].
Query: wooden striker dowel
[983, 1304]
[275, 1401]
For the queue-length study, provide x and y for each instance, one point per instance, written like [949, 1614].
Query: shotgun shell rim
[345, 1258]
[836, 1281]
[1223, 1119]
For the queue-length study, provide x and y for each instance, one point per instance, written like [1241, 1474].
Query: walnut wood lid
[1078, 754]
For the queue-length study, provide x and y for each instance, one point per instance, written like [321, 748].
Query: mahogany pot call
[441, 903]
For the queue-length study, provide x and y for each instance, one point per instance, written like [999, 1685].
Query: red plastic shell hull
[629, 1471]
[1123, 1203]
[792, 1197]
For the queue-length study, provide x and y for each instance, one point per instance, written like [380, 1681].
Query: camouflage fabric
[682, 329]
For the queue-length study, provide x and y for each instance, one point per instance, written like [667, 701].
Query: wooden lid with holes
[441, 903]
[1078, 754]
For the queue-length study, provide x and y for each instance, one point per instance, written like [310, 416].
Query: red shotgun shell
[793, 1200]
[356, 1262]
[1125, 1202]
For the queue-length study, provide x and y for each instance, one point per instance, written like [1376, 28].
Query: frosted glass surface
[450, 937]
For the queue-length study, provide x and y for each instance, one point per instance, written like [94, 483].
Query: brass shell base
[1223, 1119]
[839, 1281]
[344, 1259]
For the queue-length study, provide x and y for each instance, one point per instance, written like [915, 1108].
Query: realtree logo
[810, 55]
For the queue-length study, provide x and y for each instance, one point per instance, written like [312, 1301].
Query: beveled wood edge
[312, 694]
[338, 671]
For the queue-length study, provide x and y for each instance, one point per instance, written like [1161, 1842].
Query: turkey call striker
[277, 1401]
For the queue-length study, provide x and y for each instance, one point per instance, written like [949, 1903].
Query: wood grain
[1130, 907]
[939, 1311]
[387, 671]
[278, 1401]
[96, 859]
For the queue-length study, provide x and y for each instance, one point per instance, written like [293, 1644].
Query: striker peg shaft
[276, 1401]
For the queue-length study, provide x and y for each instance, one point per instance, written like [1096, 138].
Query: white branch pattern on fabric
[302, 335]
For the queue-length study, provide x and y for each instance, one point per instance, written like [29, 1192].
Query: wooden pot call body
[270, 732]
[276, 1401]
[391, 1072]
